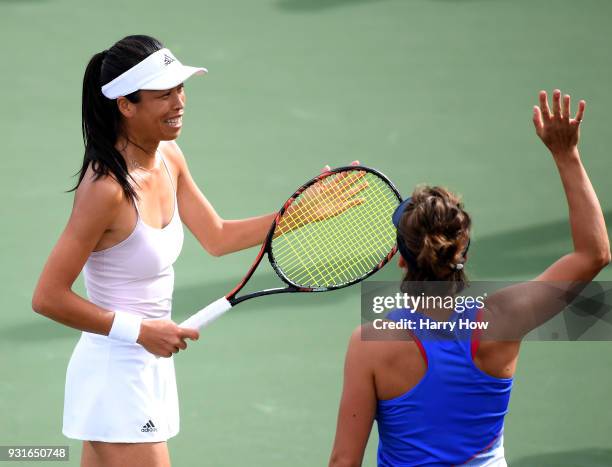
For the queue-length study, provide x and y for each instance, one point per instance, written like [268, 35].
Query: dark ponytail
[101, 119]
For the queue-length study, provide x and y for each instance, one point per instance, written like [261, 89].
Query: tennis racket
[334, 231]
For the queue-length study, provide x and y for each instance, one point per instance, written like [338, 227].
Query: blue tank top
[455, 413]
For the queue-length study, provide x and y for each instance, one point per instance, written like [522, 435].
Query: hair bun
[435, 229]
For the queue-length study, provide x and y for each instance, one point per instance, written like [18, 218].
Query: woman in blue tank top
[440, 395]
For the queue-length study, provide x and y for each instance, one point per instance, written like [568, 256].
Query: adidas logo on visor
[168, 60]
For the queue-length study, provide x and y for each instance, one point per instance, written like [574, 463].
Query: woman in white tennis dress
[125, 232]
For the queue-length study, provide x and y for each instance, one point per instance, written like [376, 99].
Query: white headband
[160, 70]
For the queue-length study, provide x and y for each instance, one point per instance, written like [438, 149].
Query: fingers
[180, 345]
[580, 113]
[177, 346]
[537, 119]
[566, 106]
[345, 206]
[559, 132]
[354, 190]
[560, 108]
[349, 178]
[170, 338]
[556, 103]
[349, 189]
[186, 333]
[344, 180]
[353, 177]
[544, 105]
[354, 202]
[327, 168]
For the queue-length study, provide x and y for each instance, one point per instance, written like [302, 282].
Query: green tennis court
[436, 91]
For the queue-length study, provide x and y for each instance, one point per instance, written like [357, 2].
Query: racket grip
[207, 315]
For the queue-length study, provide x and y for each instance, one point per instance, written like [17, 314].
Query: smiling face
[157, 116]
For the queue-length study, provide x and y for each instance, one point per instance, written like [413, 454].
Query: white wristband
[126, 327]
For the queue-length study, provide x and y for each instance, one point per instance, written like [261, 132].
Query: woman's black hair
[101, 118]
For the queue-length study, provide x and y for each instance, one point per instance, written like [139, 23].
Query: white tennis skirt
[119, 393]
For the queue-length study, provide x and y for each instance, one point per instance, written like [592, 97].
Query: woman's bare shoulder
[374, 343]
[99, 192]
[173, 155]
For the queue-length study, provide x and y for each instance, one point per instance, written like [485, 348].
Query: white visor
[159, 71]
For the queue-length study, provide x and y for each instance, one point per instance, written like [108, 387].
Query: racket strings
[372, 194]
[341, 263]
[342, 247]
[329, 235]
[345, 263]
[303, 208]
[300, 217]
[374, 197]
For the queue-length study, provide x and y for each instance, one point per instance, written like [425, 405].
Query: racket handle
[207, 315]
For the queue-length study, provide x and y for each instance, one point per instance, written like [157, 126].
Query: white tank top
[136, 275]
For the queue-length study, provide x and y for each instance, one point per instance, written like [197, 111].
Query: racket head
[342, 249]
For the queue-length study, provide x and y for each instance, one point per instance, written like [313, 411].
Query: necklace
[135, 165]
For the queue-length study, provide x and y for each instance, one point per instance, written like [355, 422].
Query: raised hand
[331, 196]
[557, 129]
[325, 199]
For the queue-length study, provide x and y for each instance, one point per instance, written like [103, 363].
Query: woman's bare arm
[357, 406]
[97, 204]
[521, 308]
[218, 236]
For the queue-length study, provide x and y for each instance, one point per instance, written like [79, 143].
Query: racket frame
[266, 248]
